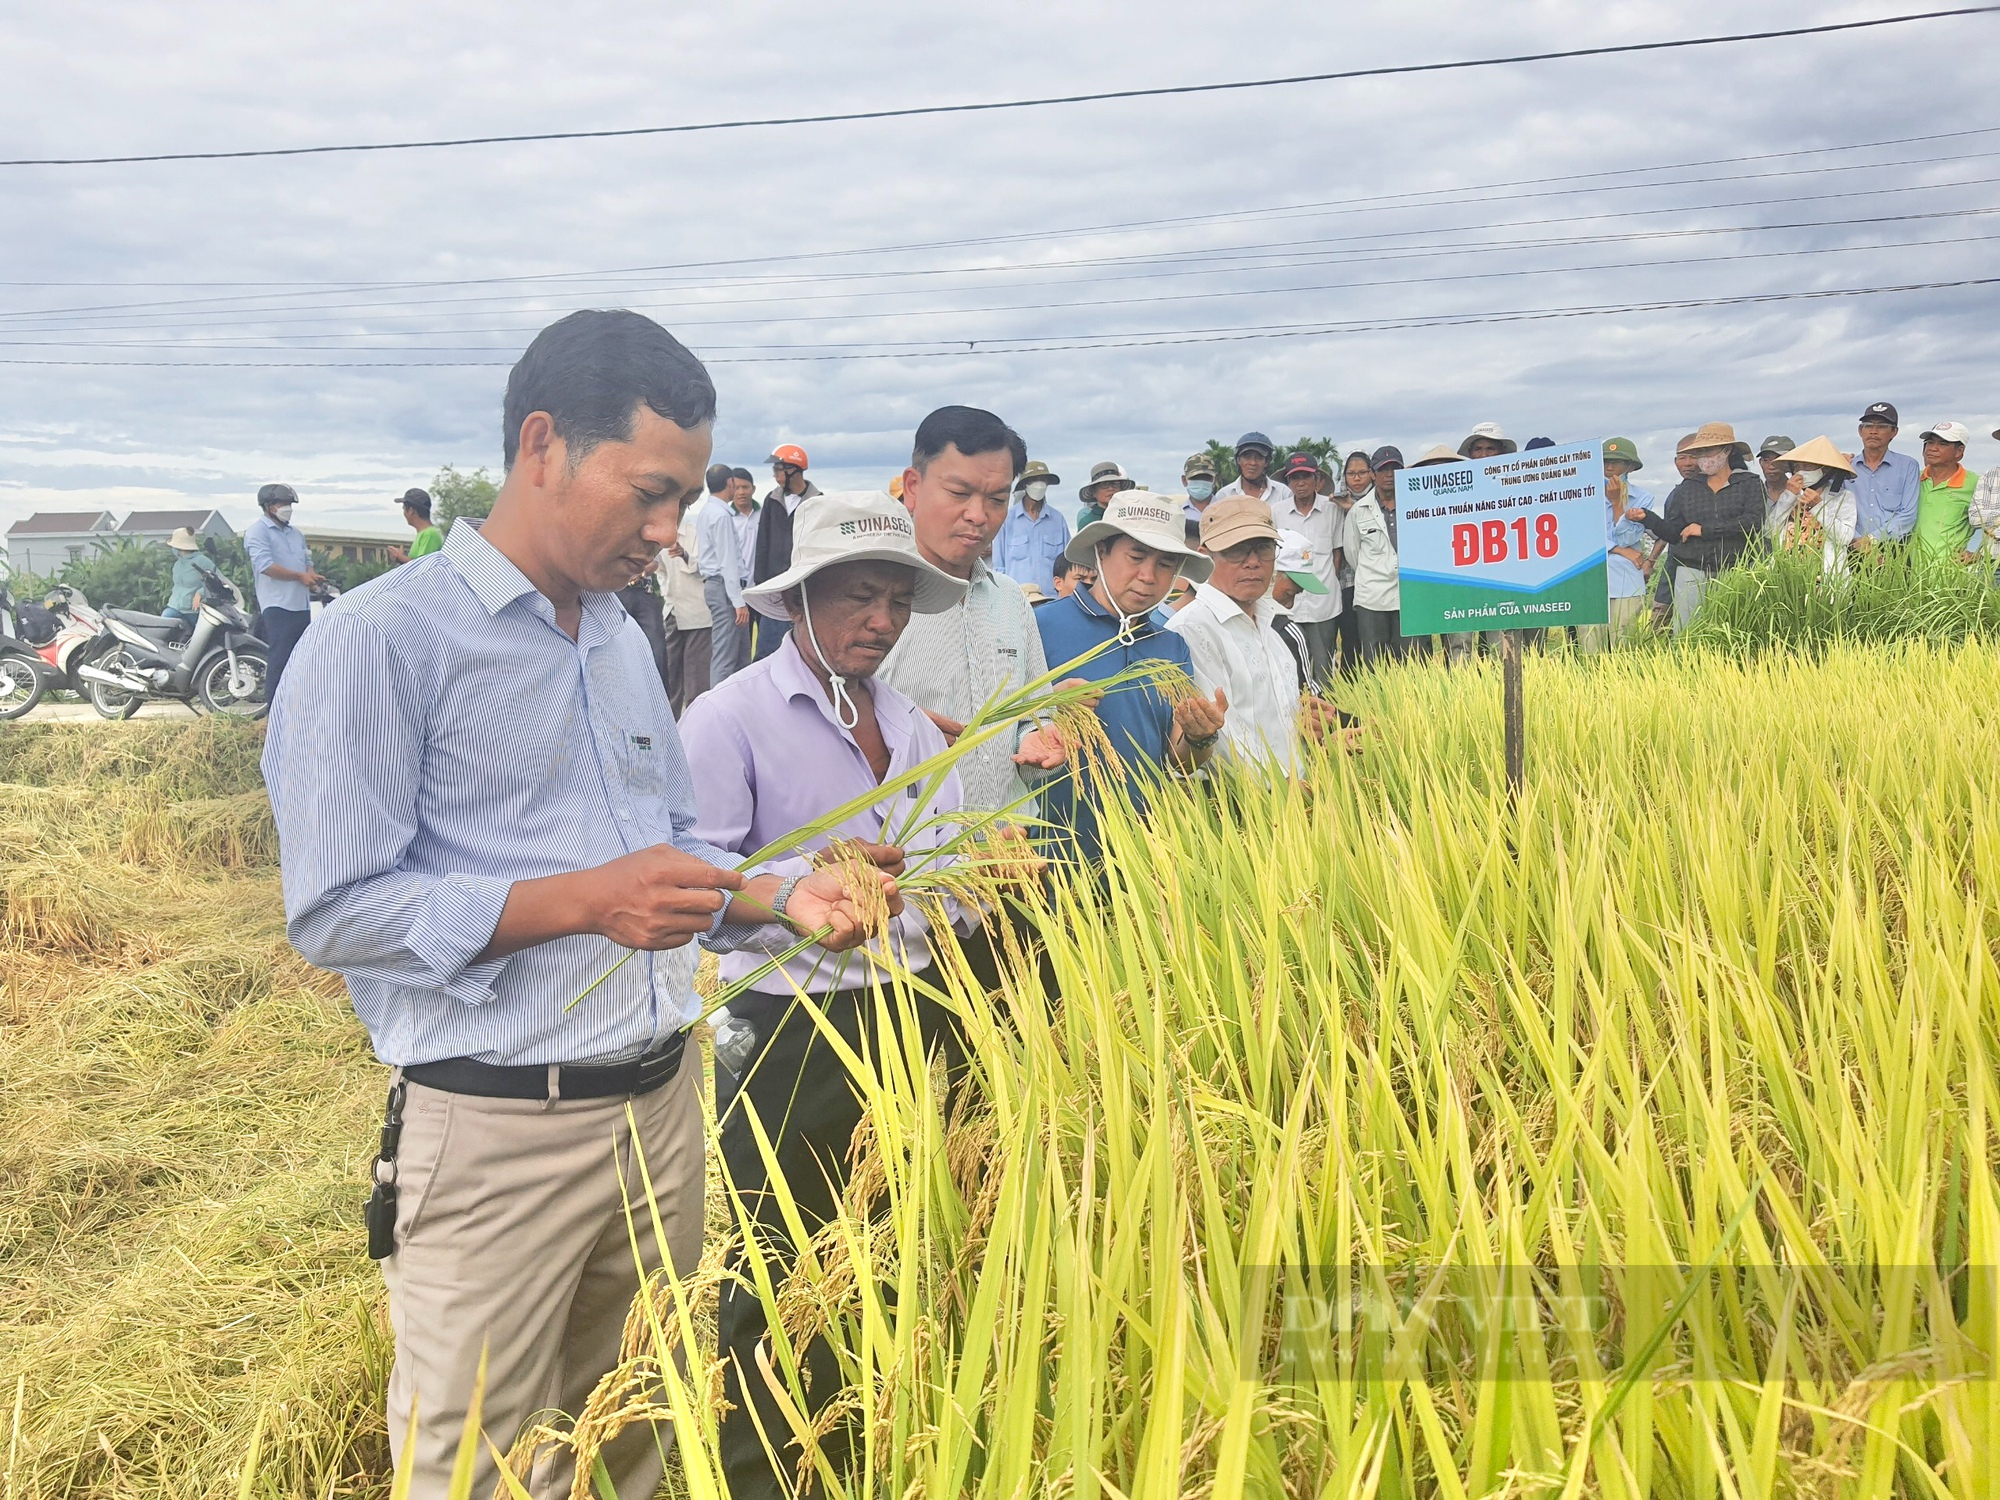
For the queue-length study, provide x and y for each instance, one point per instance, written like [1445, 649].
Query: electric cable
[990, 106]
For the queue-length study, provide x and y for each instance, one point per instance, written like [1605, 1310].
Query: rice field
[187, 1111]
[1393, 1138]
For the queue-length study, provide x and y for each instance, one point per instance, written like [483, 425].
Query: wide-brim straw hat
[1150, 520]
[1820, 453]
[183, 540]
[855, 526]
[1438, 454]
[1714, 435]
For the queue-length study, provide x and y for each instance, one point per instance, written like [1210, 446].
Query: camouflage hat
[1198, 463]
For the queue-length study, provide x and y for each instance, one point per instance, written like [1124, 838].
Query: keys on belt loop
[380, 1212]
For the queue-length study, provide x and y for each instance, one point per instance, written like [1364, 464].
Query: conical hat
[1819, 454]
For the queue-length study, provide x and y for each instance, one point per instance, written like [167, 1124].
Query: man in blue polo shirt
[1885, 484]
[1138, 549]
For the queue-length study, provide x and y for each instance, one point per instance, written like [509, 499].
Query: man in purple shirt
[779, 745]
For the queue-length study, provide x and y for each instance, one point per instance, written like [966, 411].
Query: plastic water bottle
[735, 1041]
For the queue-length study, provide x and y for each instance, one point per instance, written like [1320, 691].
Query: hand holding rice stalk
[1050, 699]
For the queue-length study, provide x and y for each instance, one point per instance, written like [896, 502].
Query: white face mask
[1811, 479]
[282, 514]
[1037, 491]
[1712, 464]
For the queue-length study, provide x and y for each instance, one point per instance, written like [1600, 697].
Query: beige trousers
[1624, 619]
[511, 1235]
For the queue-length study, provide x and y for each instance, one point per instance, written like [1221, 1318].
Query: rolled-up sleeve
[258, 545]
[343, 761]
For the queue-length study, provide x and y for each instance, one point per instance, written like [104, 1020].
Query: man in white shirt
[1238, 656]
[1253, 459]
[986, 643]
[723, 567]
[687, 649]
[1315, 519]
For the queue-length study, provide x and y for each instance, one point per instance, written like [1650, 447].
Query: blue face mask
[1200, 489]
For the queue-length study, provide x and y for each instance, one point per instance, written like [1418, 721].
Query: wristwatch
[784, 895]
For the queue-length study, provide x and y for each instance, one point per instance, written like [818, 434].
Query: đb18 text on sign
[1509, 543]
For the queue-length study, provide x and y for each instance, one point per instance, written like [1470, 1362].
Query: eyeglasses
[1254, 551]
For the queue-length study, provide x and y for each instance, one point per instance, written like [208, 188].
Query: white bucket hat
[1150, 520]
[855, 526]
[1492, 433]
[183, 540]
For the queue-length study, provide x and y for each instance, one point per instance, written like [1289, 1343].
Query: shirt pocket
[645, 773]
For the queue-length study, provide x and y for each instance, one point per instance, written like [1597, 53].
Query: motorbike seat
[153, 625]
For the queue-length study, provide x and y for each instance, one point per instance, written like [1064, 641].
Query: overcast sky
[1162, 230]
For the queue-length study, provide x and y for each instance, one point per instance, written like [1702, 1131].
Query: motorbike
[66, 635]
[216, 665]
[24, 676]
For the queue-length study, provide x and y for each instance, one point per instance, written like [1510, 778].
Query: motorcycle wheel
[22, 684]
[111, 702]
[242, 698]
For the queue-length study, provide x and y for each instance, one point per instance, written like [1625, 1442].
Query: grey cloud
[200, 75]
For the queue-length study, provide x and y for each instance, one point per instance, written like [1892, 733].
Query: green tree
[1224, 458]
[454, 494]
[1321, 449]
[125, 573]
[1224, 454]
[344, 572]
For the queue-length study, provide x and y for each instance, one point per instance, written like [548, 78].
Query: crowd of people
[1664, 542]
[494, 789]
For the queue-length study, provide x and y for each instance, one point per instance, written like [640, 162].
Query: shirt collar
[1087, 605]
[792, 677]
[1957, 479]
[1226, 609]
[496, 583]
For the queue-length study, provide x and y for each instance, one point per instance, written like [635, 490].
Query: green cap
[1623, 448]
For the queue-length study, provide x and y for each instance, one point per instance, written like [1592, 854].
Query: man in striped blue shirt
[484, 812]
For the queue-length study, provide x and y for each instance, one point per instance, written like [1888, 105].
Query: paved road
[51, 711]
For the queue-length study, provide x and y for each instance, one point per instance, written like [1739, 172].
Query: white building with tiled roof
[158, 525]
[43, 542]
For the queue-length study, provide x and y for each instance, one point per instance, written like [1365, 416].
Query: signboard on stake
[1515, 542]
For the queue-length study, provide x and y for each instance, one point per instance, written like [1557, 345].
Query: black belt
[642, 1075]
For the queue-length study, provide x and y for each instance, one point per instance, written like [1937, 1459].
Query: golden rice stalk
[60, 905]
[860, 878]
[214, 833]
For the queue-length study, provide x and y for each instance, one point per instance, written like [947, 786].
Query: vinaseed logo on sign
[1506, 543]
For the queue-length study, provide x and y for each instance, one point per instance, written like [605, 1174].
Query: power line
[1043, 102]
[1078, 343]
[244, 343]
[1375, 203]
[1267, 256]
